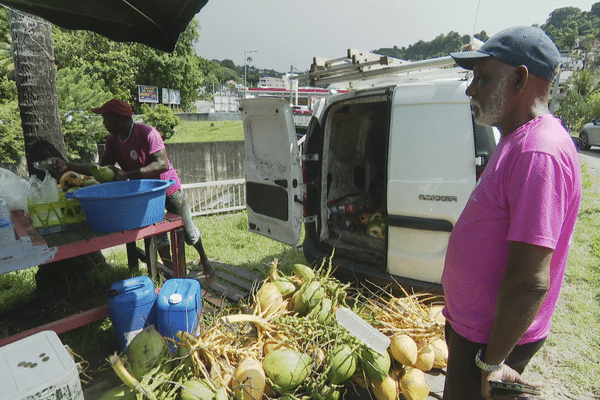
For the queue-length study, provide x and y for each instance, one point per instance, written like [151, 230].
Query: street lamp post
[245, 59]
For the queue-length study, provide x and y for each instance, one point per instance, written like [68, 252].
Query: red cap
[115, 106]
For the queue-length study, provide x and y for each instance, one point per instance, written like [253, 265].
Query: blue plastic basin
[122, 205]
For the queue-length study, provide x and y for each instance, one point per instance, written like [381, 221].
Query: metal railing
[215, 197]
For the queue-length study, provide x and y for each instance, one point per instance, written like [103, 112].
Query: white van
[383, 176]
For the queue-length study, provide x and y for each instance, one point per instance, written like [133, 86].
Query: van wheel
[585, 141]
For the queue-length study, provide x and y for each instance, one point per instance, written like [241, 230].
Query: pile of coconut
[290, 345]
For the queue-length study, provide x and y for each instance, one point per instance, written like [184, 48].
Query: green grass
[226, 238]
[207, 131]
[568, 364]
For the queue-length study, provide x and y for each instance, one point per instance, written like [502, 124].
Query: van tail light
[304, 173]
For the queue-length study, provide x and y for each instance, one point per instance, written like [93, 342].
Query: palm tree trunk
[35, 76]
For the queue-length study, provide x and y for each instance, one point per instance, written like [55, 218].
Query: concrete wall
[207, 162]
[225, 116]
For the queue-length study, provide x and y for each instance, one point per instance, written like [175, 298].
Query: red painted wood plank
[86, 246]
[62, 325]
[23, 228]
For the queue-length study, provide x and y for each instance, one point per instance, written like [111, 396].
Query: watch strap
[484, 366]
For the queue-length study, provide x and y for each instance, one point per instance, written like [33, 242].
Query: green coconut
[322, 312]
[376, 228]
[147, 349]
[287, 368]
[285, 286]
[196, 389]
[308, 296]
[305, 273]
[121, 392]
[343, 364]
[376, 365]
[89, 182]
[221, 394]
[102, 174]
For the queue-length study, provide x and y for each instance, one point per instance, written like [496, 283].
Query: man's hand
[506, 374]
[120, 175]
[59, 165]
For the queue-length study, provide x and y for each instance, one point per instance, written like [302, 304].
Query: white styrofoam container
[38, 367]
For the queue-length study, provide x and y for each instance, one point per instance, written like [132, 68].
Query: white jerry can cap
[175, 298]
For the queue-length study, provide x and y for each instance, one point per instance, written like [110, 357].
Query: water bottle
[7, 232]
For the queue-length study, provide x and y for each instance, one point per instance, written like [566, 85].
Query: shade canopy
[156, 23]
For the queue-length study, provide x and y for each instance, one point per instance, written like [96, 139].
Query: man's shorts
[177, 204]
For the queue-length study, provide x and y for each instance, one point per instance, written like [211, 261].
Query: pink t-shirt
[133, 153]
[529, 192]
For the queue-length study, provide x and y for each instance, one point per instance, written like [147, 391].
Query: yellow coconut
[269, 298]
[387, 389]
[440, 351]
[413, 384]
[425, 358]
[249, 380]
[404, 349]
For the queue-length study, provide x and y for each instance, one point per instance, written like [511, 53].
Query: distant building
[270, 81]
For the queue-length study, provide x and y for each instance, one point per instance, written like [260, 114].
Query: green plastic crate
[49, 217]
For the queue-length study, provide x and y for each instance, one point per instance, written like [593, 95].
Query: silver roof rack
[363, 66]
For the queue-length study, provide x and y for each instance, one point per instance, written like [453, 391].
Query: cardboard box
[38, 367]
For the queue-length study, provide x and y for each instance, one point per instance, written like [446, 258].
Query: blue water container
[178, 307]
[132, 307]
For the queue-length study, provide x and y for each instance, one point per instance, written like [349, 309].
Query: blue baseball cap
[521, 45]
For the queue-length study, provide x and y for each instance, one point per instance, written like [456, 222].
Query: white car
[590, 134]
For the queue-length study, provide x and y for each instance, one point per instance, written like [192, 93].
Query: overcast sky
[287, 33]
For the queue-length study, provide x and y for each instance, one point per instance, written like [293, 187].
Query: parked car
[384, 175]
[590, 134]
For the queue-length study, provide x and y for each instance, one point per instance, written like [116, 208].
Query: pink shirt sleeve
[155, 142]
[537, 201]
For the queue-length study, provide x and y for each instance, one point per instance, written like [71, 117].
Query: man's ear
[521, 74]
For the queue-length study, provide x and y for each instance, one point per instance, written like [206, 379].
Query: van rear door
[273, 170]
[432, 171]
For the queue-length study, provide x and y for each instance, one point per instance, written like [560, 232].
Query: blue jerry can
[132, 307]
[179, 305]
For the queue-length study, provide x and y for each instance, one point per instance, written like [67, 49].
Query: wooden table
[64, 245]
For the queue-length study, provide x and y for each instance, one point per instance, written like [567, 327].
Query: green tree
[595, 10]
[123, 66]
[483, 36]
[442, 45]
[563, 26]
[582, 102]
[78, 93]
[12, 147]
[178, 70]
[33, 52]
[100, 58]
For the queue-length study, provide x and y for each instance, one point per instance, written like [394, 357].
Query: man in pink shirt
[140, 152]
[508, 250]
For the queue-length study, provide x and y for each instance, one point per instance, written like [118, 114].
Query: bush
[162, 118]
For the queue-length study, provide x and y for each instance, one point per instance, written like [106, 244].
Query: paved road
[592, 159]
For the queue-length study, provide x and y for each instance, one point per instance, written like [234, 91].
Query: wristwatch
[484, 366]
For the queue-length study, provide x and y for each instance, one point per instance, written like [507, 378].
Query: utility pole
[245, 59]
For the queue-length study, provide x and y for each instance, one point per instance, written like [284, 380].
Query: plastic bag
[15, 190]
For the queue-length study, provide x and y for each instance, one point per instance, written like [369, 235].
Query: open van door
[273, 170]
